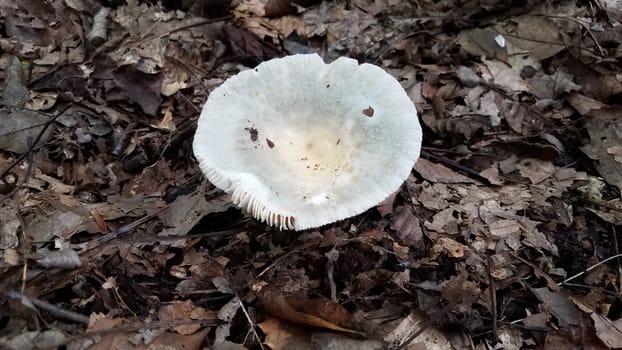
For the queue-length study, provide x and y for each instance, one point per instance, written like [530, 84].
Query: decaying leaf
[185, 311]
[279, 305]
[416, 322]
[481, 42]
[604, 129]
[282, 335]
[407, 226]
[560, 304]
[508, 95]
[19, 127]
[438, 173]
[186, 211]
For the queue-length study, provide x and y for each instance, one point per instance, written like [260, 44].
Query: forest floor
[505, 236]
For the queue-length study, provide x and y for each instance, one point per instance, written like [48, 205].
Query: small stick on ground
[51, 308]
[32, 143]
[493, 300]
[251, 323]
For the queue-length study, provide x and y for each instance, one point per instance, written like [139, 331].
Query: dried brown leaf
[283, 335]
[604, 129]
[187, 210]
[481, 43]
[407, 226]
[500, 74]
[537, 35]
[610, 332]
[435, 173]
[185, 311]
[560, 304]
[430, 338]
[142, 88]
[535, 170]
[451, 247]
[386, 206]
[277, 304]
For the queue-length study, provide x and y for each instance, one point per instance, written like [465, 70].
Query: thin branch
[589, 269]
[493, 300]
[51, 308]
[251, 323]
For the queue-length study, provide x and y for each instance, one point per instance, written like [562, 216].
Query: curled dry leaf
[295, 309]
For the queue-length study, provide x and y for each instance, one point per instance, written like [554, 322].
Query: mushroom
[299, 143]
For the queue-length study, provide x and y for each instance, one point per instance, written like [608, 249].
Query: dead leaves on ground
[517, 193]
[320, 313]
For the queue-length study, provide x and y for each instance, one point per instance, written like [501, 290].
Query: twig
[330, 267]
[30, 160]
[184, 27]
[250, 322]
[549, 280]
[51, 308]
[172, 238]
[523, 104]
[617, 249]
[493, 300]
[29, 153]
[585, 286]
[278, 261]
[422, 327]
[582, 24]
[35, 141]
[455, 165]
[148, 325]
[397, 40]
[515, 324]
[589, 269]
[124, 229]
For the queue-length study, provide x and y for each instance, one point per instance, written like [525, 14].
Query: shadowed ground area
[504, 236]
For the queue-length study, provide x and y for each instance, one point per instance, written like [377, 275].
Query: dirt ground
[504, 236]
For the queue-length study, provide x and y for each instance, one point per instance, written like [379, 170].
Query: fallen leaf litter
[506, 230]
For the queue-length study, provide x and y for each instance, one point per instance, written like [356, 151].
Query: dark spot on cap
[338, 140]
[254, 134]
[270, 143]
[327, 85]
[527, 72]
[369, 111]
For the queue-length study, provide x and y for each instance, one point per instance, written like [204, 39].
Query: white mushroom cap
[300, 143]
